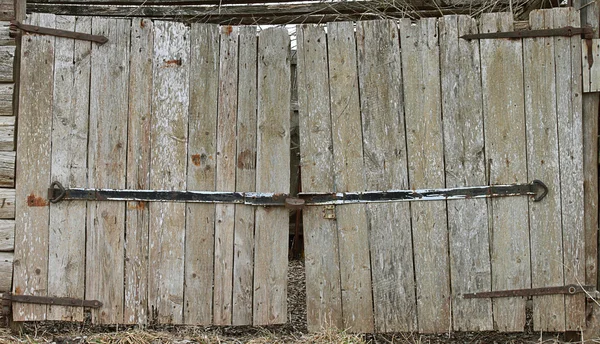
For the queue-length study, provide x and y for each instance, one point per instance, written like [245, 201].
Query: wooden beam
[7, 169]
[255, 14]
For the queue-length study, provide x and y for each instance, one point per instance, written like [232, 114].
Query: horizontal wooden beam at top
[253, 14]
[397, 3]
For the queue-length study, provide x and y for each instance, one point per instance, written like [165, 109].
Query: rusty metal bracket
[570, 289]
[15, 25]
[51, 300]
[329, 212]
[567, 31]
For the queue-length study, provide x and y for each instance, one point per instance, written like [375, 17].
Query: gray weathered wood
[385, 163]
[7, 206]
[543, 163]
[6, 271]
[425, 148]
[168, 156]
[7, 58]
[570, 142]
[226, 170]
[353, 236]
[202, 153]
[35, 117]
[5, 38]
[470, 268]
[107, 167]
[505, 142]
[272, 165]
[243, 264]
[7, 235]
[7, 133]
[66, 256]
[590, 15]
[322, 265]
[6, 99]
[138, 171]
[591, 74]
[7, 169]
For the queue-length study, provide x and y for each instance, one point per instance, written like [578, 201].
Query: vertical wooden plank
[591, 73]
[542, 163]
[243, 264]
[66, 255]
[353, 236]
[272, 165]
[138, 171]
[504, 118]
[570, 142]
[226, 169]
[106, 168]
[464, 156]
[33, 166]
[425, 148]
[384, 147]
[168, 156]
[202, 152]
[322, 265]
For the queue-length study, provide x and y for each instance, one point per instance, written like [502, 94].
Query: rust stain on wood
[246, 160]
[227, 29]
[36, 201]
[173, 63]
[196, 159]
[137, 205]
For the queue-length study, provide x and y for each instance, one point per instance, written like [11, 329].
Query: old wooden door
[411, 105]
[161, 106]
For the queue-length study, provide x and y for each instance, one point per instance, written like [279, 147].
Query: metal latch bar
[567, 31]
[570, 289]
[52, 300]
[15, 25]
[537, 189]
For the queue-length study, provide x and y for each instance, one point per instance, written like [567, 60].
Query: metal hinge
[51, 300]
[536, 189]
[15, 25]
[567, 31]
[570, 289]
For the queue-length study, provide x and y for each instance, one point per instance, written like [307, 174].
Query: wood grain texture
[168, 158]
[226, 170]
[590, 15]
[569, 108]
[6, 270]
[138, 171]
[7, 236]
[243, 263]
[322, 265]
[6, 99]
[7, 169]
[201, 166]
[470, 268]
[273, 175]
[35, 117]
[504, 118]
[423, 113]
[7, 58]
[7, 133]
[591, 74]
[352, 224]
[66, 256]
[7, 206]
[5, 38]
[385, 164]
[107, 152]
[543, 163]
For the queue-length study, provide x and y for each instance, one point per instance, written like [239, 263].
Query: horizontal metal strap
[570, 289]
[52, 300]
[537, 189]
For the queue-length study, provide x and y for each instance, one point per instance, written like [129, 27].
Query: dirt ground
[293, 332]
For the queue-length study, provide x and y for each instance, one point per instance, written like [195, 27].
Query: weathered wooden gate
[415, 106]
[160, 106]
